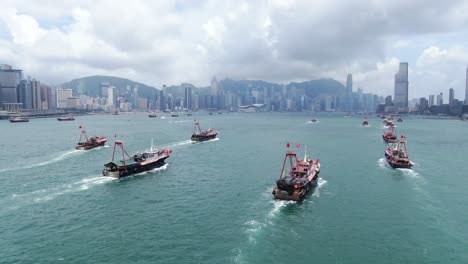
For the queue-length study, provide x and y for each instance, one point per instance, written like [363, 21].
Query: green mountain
[92, 85]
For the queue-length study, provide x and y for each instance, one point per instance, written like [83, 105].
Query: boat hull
[88, 147]
[199, 138]
[390, 140]
[66, 119]
[128, 170]
[295, 195]
[19, 121]
[399, 165]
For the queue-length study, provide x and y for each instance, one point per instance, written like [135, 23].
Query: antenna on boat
[305, 152]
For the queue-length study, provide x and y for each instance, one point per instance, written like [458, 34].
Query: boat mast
[83, 132]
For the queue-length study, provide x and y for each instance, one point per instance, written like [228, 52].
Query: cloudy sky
[169, 42]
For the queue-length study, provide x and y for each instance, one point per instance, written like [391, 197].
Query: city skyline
[276, 41]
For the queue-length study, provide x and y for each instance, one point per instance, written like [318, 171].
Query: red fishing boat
[146, 161]
[202, 135]
[297, 180]
[397, 155]
[90, 143]
[390, 136]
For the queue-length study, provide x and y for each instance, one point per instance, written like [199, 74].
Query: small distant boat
[152, 115]
[90, 143]
[115, 112]
[146, 161]
[188, 114]
[390, 136]
[211, 113]
[399, 119]
[397, 155]
[348, 115]
[18, 119]
[295, 182]
[365, 122]
[174, 115]
[219, 113]
[202, 135]
[66, 118]
[313, 120]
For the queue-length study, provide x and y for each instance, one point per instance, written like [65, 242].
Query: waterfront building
[9, 80]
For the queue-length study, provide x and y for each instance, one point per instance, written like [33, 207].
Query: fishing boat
[18, 119]
[66, 118]
[397, 155]
[390, 136]
[365, 122]
[202, 135]
[146, 161]
[90, 142]
[297, 180]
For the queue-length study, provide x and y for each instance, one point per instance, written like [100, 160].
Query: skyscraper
[25, 94]
[188, 98]
[431, 100]
[401, 88]
[466, 88]
[451, 96]
[214, 86]
[62, 97]
[349, 92]
[36, 94]
[9, 81]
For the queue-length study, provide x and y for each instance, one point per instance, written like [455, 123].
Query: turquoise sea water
[213, 202]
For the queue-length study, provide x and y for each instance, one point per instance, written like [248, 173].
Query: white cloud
[165, 42]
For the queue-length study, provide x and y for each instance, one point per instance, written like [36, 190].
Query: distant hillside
[312, 88]
[92, 85]
[322, 86]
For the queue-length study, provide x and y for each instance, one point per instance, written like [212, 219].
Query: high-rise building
[440, 100]
[401, 88]
[431, 100]
[451, 96]
[188, 98]
[25, 94]
[9, 81]
[349, 92]
[36, 94]
[111, 96]
[466, 87]
[104, 88]
[46, 97]
[62, 97]
[214, 86]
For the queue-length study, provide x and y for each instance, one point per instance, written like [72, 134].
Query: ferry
[297, 180]
[146, 161]
[66, 118]
[18, 119]
[199, 135]
[397, 155]
[90, 143]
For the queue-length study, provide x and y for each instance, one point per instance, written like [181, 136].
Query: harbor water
[212, 202]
